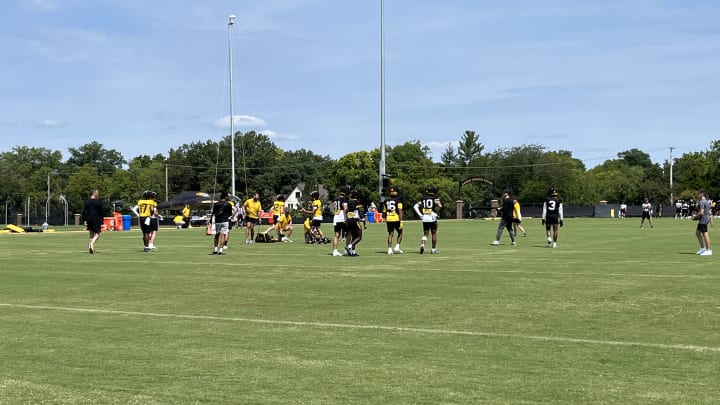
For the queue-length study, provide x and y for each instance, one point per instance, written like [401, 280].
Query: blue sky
[142, 77]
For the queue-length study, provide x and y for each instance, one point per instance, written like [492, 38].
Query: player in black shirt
[552, 216]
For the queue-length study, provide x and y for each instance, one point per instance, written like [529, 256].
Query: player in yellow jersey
[393, 210]
[251, 214]
[278, 210]
[285, 227]
[517, 218]
[317, 217]
[147, 212]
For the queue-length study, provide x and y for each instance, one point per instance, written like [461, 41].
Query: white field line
[374, 327]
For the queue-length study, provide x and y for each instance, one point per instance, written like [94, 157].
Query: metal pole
[47, 203]
[382, 171]
[671, 176]
[231, 22]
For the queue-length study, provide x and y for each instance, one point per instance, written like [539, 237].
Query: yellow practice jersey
[516, 209]
[278, 207]
[186, 212]
[392, 208]
[252, 208]
[146, 208]
[317, 208]
[284, 221]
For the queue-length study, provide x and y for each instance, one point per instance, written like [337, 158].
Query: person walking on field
[517, 218]
[552, 216]
[146, 210]
[506, 219]
[704, 218]
[93, 214]
[428, 209]
[221, 213]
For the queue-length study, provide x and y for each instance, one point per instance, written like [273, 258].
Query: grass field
[615, 314]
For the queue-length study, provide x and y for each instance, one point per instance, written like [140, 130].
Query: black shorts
[94, 226]
[393, 226]
[430, 226]
[252, 221]
[315, 223]
[645, 214]
[552, 221]
[148, 226]
[340, 227]
[353, 227]
[702, 228]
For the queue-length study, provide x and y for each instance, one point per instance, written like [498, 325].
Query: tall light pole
[671, 176]
[382, 172]
[231, 22]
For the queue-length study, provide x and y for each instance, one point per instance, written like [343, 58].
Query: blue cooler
[370, 216]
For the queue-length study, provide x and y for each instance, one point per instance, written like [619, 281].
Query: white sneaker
[398, 250]
[514, 243]
[433, 251]
[706, 253]
[336, 253]
[549, 240]
[495, 243]
[389, 251]
[701, 251]
[554, 245]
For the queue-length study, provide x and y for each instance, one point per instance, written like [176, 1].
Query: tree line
[44, 177]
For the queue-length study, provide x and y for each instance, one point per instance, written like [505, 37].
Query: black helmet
[147, 194]
[314, 195]
[430, 190]
[354, 193]
[552, 191]
[394, 191]
[344, 190]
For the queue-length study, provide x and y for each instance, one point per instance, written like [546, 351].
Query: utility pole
[382, 173]
[671, 176]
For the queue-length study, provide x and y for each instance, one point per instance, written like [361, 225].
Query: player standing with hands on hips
[552, 216]
[427, 209]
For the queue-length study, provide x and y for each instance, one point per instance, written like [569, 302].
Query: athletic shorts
[353, 227]
[393, 226]
[702, 228]
[252, 221]
[148, 224]
[430, 226]
[222, 228]
[340, 227]
[315, 223]
[552, 221]
[94, 226]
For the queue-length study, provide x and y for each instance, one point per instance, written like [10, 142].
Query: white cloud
[51, 123]
[44, 5]
[240, 121]
[279, 137]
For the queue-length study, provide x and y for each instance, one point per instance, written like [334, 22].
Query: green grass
[615, 314]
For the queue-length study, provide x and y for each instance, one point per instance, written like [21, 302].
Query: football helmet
[431, 190]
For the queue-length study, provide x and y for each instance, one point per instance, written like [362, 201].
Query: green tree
[94, 154]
